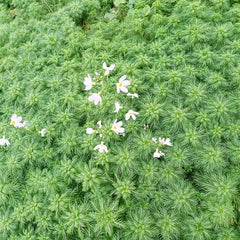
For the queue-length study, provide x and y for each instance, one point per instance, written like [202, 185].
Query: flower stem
[24, 130]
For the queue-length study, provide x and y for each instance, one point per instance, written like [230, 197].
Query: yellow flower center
[99, 94]
[131, 113]
[14, 122]
[120, 84]
[115, 127]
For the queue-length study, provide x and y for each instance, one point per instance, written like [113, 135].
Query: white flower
[161, 140]
[132, 114]
[96, 98]
[117, 127]
[118, 107]
[158, 154]
[154, 139]
[108, 68]
[133, 95]
[25, 124]
[90, 131]
[101, 148]
[88, 82]
[42, 132]
[16, 121]
[146, 127]
[121, 86]
[165, 142]
[99, 123]
[4, 141]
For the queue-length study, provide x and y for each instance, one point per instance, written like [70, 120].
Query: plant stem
[22, 129]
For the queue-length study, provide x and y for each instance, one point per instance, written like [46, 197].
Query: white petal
[112, 67]
[104, 65]
[127, 116]
[133, 117]
[121, 130]
[87, 80]
[89, 130]
[43, 132]
[126, 83]
[154, 139]
[96, 100]
[14, 115]
[107, 72]
[123, 89]
[161, 140]
[117, 108]
[19, 125]
[91, 98]
[105, 149]
[117, 105]
[99, 123]
[97, 147]
[19, 119]
[122, 78]
[88, 87]
[167, 142]
[118, 88]
[119, 124]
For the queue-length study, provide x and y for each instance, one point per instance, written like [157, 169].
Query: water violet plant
[119, 119]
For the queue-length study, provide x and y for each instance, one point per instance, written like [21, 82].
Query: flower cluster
[117, 126]
[160, 142]
[121, 86]
[97, 80]
[16, 121]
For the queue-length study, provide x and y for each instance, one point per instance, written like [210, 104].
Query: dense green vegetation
[182, 58]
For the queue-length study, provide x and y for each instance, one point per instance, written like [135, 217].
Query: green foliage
[106, 216]
[169, 225]
[139, 226]
[198, 228]
[181, 58]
